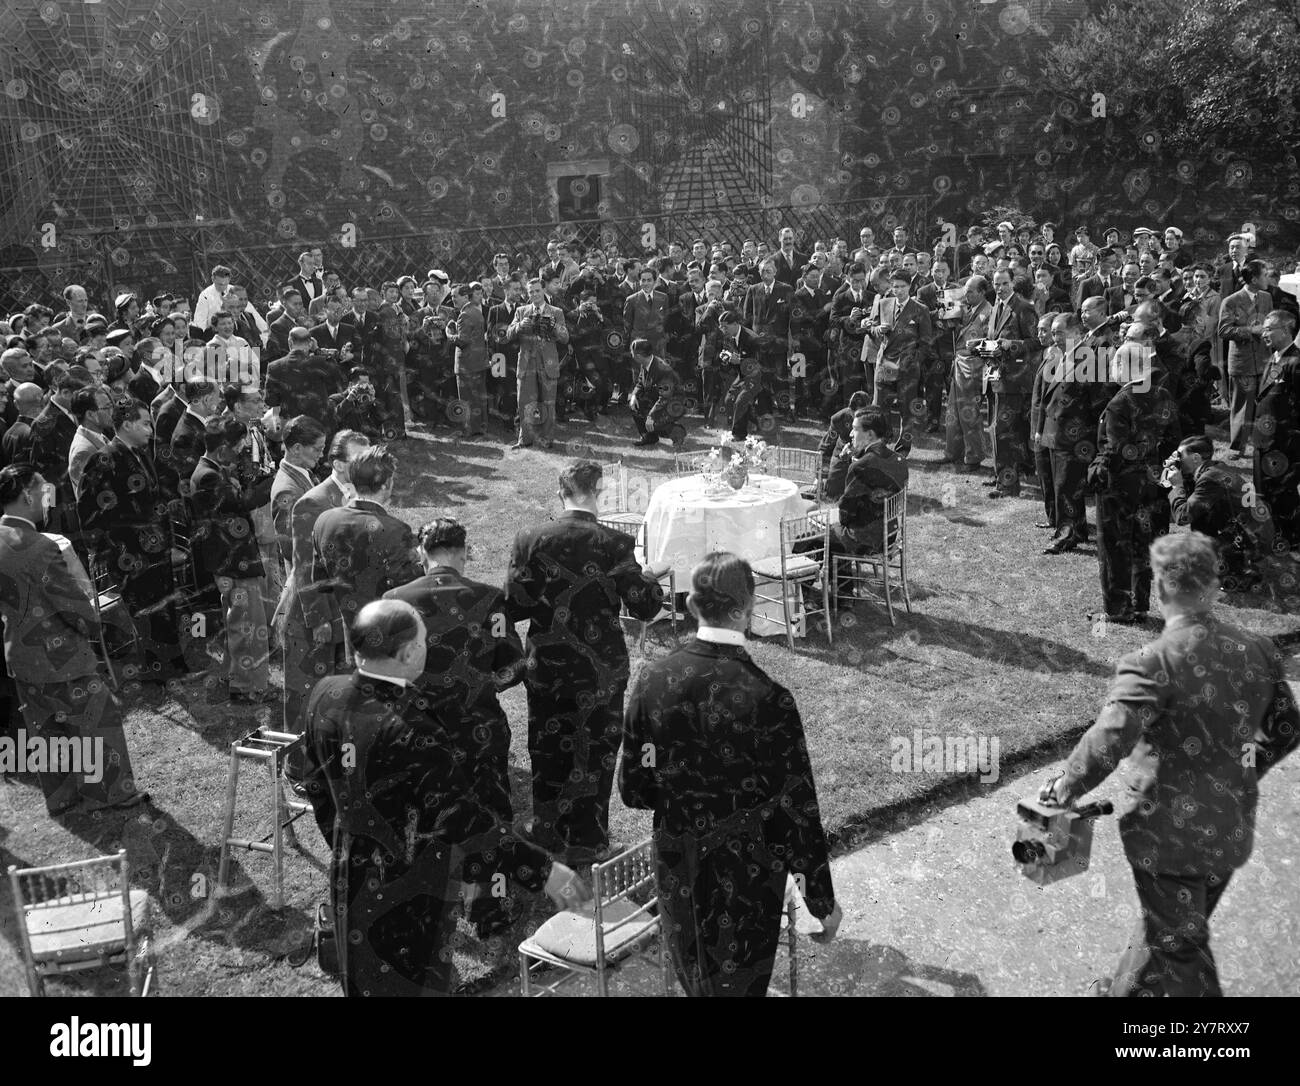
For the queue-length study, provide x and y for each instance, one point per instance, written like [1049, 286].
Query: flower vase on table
[729, 467]
[737, 476]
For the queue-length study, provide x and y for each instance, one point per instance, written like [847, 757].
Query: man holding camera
[964, 429]
[539, 329]
[1201, 713]
[354, 408]
[901, 326]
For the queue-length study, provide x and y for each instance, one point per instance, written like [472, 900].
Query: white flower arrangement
[725, 460]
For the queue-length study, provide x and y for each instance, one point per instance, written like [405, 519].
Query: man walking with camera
[1202, 713]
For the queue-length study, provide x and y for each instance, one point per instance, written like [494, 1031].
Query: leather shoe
[1044, 524]
[1120, 618]
[1062, 545]
[1001, 494]
[647, 439]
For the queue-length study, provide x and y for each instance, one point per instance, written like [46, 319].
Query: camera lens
[1028, 852]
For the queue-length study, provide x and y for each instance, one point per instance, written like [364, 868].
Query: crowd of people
[216, 464]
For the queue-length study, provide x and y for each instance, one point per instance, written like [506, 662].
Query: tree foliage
[1198, 73]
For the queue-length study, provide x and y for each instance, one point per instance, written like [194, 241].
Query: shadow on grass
[852, 967]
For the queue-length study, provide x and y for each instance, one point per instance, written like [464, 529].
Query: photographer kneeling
[354, 408]
[1202, 713]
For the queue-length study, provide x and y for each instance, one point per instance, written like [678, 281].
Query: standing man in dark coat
[52, 435]
[766, 311]
[716, 750]
[225, 538]
[568, 579]
[1201, 714]
[312, 630]
[1014, 324]
[903, 335]
[123, 511]
[302, 382]
[1241, 323]
[1277, 427]
[406, 828]
[1139, 428]
[359, 550]
[473, 654]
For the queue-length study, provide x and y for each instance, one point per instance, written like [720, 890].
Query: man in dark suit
[655, 403]
[840, 431]
[304, 446]
[51, 628]
[202, 401]
[16, 368]
[473, 654]
[902, 336]
[749, 392]
[333, 334]
[364, 323]
[645, 312]
[502, 370]
[862, 476]
[766, 311]
[715, 748]
[1241, 323]
[1074, 393]
[850, 306]
[312, 626]
[305, 282]
[568, 578]
[16, 445]
[52, 435]
[404, 824]
[226, 542]
[810, 309]
[1277, 427]
[1014, 324]
[123, 511]
[787, 262]
[360, 551]
[1187, 818]
[302, 382]
[1138, 429]
[294, 316]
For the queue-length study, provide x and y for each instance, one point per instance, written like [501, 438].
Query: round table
[683, 523]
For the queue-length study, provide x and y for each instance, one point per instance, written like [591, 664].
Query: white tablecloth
[683, 523]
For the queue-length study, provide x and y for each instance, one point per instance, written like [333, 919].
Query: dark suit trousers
[573, 744]
[305, 664]
[1043, 467]
[1010, 439]
[1070, 480]
[1279, 492]
[1169, 951]
[1241, 405]
[747, 397]
[1125, 530]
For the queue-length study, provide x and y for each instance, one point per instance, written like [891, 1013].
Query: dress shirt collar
[14, 516]
[578, 514]
[1196, 618]
[720, 636]
[93, 436]
[392, 680]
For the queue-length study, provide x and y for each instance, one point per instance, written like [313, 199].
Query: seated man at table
[862, 476]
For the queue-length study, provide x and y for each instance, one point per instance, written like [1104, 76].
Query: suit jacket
[1215, 506]
[49, 620]
[359, 552]
[1246, 352]
[768, 312]
[85, 443]
[471, 344]
[729, 777]
[277, 335]
[185, 449]
[52, 435]
[302, 385]
[837, 434]
[122, 507]
[306, 604]
[842, 305]
[568, 578]
[1081, 290]
[16, 445]
[1074, 394]
[907, 345]
[643, 318]
[1277, 407]
[862, 481]
[143, 387]
[342, 335]
[391, 796]
[1137, 431]
[787, 270]
[533, 350]
[290, 484]
[223, 527]
[1189, 805]
[1018, 364]
[367, 329]
[167, 408]
[472, 654]
[310, 289]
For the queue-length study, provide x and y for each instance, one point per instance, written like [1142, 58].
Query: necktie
[997, 317]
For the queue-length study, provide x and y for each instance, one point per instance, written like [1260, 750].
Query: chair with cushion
[792, 569]
[860, 570]
[81, 916]
[617, 926]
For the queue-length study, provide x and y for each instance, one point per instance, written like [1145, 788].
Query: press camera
[1052, 843]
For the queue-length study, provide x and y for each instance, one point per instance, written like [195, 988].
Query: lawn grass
[998, 645]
